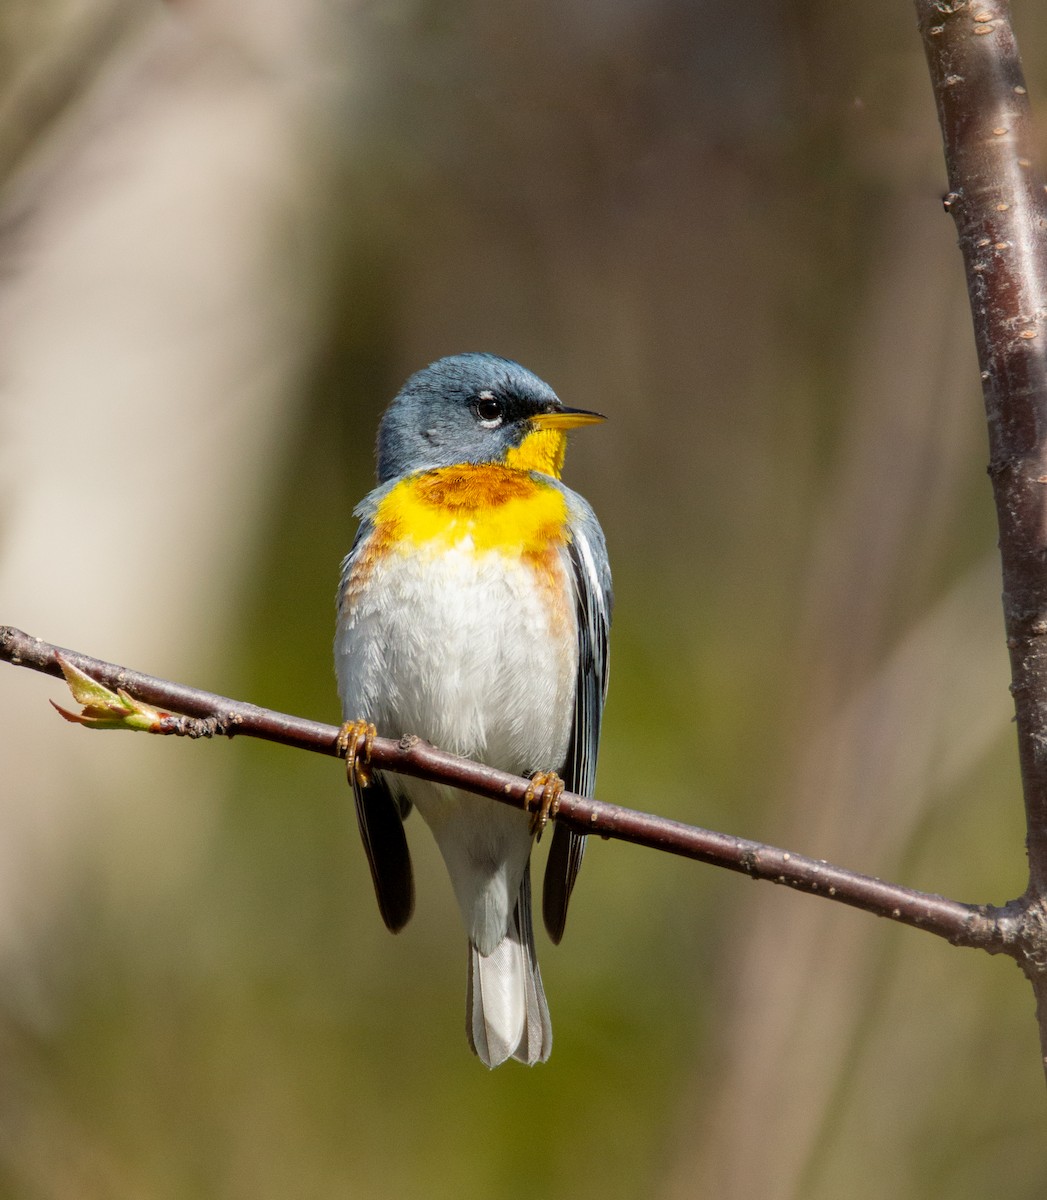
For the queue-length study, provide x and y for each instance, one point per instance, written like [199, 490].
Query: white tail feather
[507, 1012]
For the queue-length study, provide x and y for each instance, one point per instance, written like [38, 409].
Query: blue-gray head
[475, 408]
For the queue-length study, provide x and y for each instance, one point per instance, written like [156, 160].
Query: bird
[473, 612]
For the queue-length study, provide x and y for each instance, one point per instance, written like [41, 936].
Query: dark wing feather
[382, 833]
[379, 813]
[592, 581]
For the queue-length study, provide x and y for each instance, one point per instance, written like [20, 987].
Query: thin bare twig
[980, 926]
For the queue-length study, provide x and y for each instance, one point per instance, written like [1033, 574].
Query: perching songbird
[473, 612]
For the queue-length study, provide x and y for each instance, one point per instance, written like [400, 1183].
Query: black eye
[488, 410]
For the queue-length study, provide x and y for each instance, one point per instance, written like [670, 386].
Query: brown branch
[206, 715]
[996, 195]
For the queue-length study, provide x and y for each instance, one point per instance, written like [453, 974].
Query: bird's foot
[355, 740]
[552, 787]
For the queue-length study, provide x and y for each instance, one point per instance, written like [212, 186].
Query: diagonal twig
[205, 714]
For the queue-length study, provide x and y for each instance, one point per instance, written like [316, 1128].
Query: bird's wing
[593, 602]
[379, 813]
[382, 832]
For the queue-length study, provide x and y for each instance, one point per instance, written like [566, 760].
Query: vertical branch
[996, 195]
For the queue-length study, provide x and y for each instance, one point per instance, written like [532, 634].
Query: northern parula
[473, 611]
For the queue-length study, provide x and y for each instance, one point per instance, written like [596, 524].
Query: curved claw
[552, 789]
[355, 740]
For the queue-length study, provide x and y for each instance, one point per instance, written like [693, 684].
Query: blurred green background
[229, 232]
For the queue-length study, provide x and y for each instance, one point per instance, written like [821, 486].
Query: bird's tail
[507, 1015]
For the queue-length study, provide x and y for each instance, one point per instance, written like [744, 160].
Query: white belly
[462, 650]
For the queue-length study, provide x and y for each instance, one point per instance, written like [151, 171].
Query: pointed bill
[567, 418]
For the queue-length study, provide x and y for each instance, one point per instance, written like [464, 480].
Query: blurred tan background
[228, 232]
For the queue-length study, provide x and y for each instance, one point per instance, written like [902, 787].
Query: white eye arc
[488, 409]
